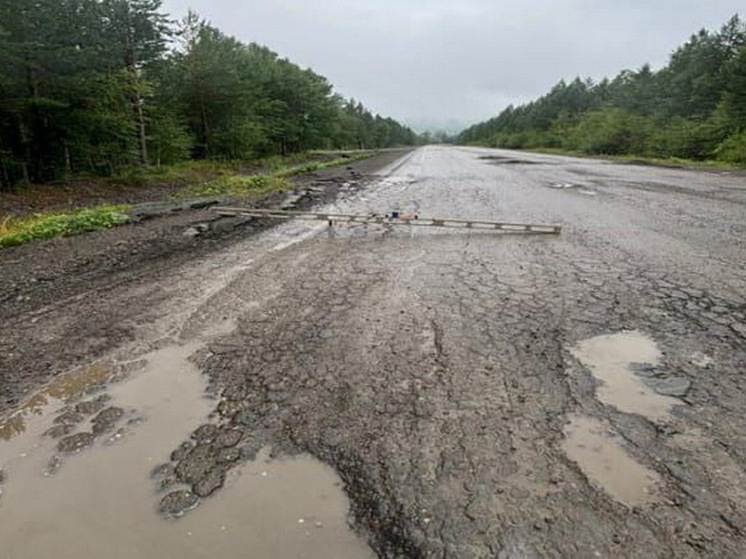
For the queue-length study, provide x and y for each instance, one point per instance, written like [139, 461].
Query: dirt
[476, 395]
[42, 276]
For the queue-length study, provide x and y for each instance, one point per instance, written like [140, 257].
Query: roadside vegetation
[224, 179]
[694, 108]
[15, 231]
[277, 178]
[116, 88]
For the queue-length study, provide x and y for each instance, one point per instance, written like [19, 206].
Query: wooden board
[388, 220]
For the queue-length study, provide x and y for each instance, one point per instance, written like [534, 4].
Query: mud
[57, 290]
[448, 377]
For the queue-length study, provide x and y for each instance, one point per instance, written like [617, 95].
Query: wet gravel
[76, 442]
[432, 369]
[176, 503]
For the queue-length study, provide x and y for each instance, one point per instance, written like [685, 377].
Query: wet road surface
[477, 394]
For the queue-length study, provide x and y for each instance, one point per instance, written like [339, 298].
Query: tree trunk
[130, 63]
[68, 162]
[205, 127]
[141, 130]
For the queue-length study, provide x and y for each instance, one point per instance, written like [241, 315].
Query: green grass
[185, 172]
[236, 185]
[253, 185]
[59, 224]
[238, 179]
[203, 170]
[642, 160]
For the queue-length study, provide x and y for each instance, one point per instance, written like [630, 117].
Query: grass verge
[258, 184]
[202, 170]
[675, 162]
[203, 178]
[15, 231]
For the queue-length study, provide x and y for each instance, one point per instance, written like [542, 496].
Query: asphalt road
[488, 395]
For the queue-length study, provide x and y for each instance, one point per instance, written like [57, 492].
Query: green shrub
[733, 149]
[611, 131]
[685, 139]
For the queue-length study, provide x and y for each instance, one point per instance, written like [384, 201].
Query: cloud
[436, 61]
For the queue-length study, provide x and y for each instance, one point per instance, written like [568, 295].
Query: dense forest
[693, 108]
[97, 86]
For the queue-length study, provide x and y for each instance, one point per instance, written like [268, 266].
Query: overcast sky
[429, 63]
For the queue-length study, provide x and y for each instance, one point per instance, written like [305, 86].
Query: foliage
[238, 186]
[251, 185]
[733, 149]
[46, 226]
[693, 108]
[99, 87]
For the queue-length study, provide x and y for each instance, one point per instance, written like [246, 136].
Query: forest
[693, 108]
[95, 87]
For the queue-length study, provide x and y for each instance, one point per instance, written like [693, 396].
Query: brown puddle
[64, 387]
[609, 358]
[291, 507]
[606, 464]
[102, 501]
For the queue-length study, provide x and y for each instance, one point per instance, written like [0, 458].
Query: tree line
[97, 86]
[693, 108]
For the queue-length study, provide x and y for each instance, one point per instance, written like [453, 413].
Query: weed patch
[237, 185]
[49, 225]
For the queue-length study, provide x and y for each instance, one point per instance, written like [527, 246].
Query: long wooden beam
[389, 220]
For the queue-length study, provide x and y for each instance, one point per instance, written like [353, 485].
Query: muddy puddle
[63, 388]
[613, 360]
[101, 501]
[607, 464]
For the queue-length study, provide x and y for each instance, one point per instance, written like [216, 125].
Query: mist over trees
[693, 108]
[98, 86]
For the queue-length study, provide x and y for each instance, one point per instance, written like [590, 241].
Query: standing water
[101, 501]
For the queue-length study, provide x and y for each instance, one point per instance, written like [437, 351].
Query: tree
[694, 107]
[96, 86]
[139, 32]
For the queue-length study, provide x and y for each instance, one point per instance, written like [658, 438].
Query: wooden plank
[385, 220]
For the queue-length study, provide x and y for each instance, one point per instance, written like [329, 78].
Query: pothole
[579, 188]
[619, 361]
[607, 464]
[502, 160]
[285, 507]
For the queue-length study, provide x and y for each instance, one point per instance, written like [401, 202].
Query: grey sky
[428, 62]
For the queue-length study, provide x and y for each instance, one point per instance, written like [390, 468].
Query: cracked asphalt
[432, 368]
